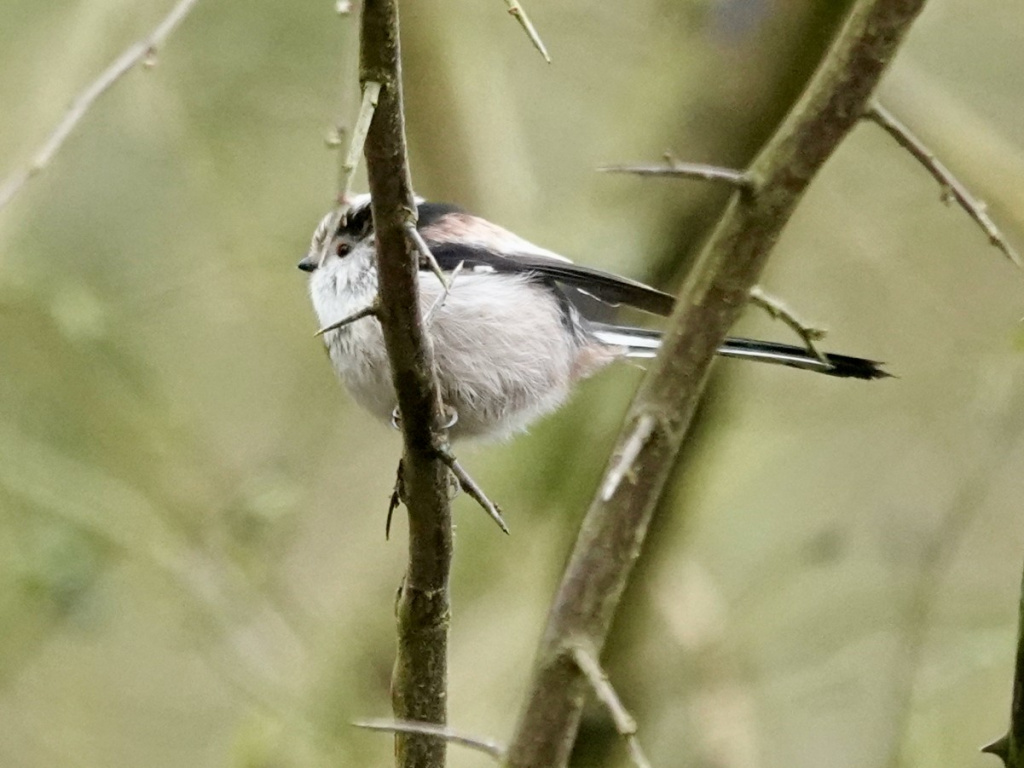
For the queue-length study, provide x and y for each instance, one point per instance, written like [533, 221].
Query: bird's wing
[455, 237]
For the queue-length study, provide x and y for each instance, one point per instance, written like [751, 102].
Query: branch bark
[710, 301]
[419, 681]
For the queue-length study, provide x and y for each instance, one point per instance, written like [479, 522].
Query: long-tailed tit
[509, 337]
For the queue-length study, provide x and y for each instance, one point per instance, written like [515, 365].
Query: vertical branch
[716, 291]
[420, 675]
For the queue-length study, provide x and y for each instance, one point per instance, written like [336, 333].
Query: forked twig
[516, 11]
[487, 746]
[143, 51]
[952, 188]
[779, 311]
[469, 485]
[370, 311]
[625, 724]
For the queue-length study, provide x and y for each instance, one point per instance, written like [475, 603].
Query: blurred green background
[193, 570]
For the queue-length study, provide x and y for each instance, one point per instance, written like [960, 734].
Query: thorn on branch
[516, 11]
[779, 311]
[143, 51]
[369, 311]
[624, 722]
[624, 463]
[417, 241]
[951, 188]
[487, 746]
[1001, 749]
[469, 486]
[397, 494]
[674, 168]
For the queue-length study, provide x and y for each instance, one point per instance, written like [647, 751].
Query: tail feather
[644, 343]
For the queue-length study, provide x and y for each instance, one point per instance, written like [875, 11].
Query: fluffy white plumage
[500, 343]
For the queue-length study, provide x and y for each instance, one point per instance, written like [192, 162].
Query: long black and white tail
[644, 343]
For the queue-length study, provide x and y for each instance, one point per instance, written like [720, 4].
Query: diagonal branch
[143, 51]
[952, 188]
[710, 301]
[419, 683]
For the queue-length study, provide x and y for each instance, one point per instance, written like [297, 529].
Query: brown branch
[487, 746]
[143, 51]
[603, 689]
[952, 188]
[419, 683]
[710, 301]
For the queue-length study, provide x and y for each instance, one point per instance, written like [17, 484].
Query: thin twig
[641, 434]
[367, 109]
[677, 169]
[144, 51]
[625, 724]
[469, 485]
[952, 188]
[350, 87]
[369, 311]
[489, 747]
[779, 311]
[516, 11]
[440, 300]
[417, 241]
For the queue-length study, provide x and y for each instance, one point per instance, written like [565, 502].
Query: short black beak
[310, 262]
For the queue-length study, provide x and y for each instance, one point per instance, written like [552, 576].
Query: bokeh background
[193, 569]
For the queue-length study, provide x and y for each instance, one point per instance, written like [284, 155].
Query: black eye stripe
[357, 222]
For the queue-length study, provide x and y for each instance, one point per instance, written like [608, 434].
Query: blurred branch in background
[143, 51]
[714, 294]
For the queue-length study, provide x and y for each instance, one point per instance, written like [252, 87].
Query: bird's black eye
[343, 249]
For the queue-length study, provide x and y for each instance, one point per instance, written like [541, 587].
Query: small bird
[511, 335]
